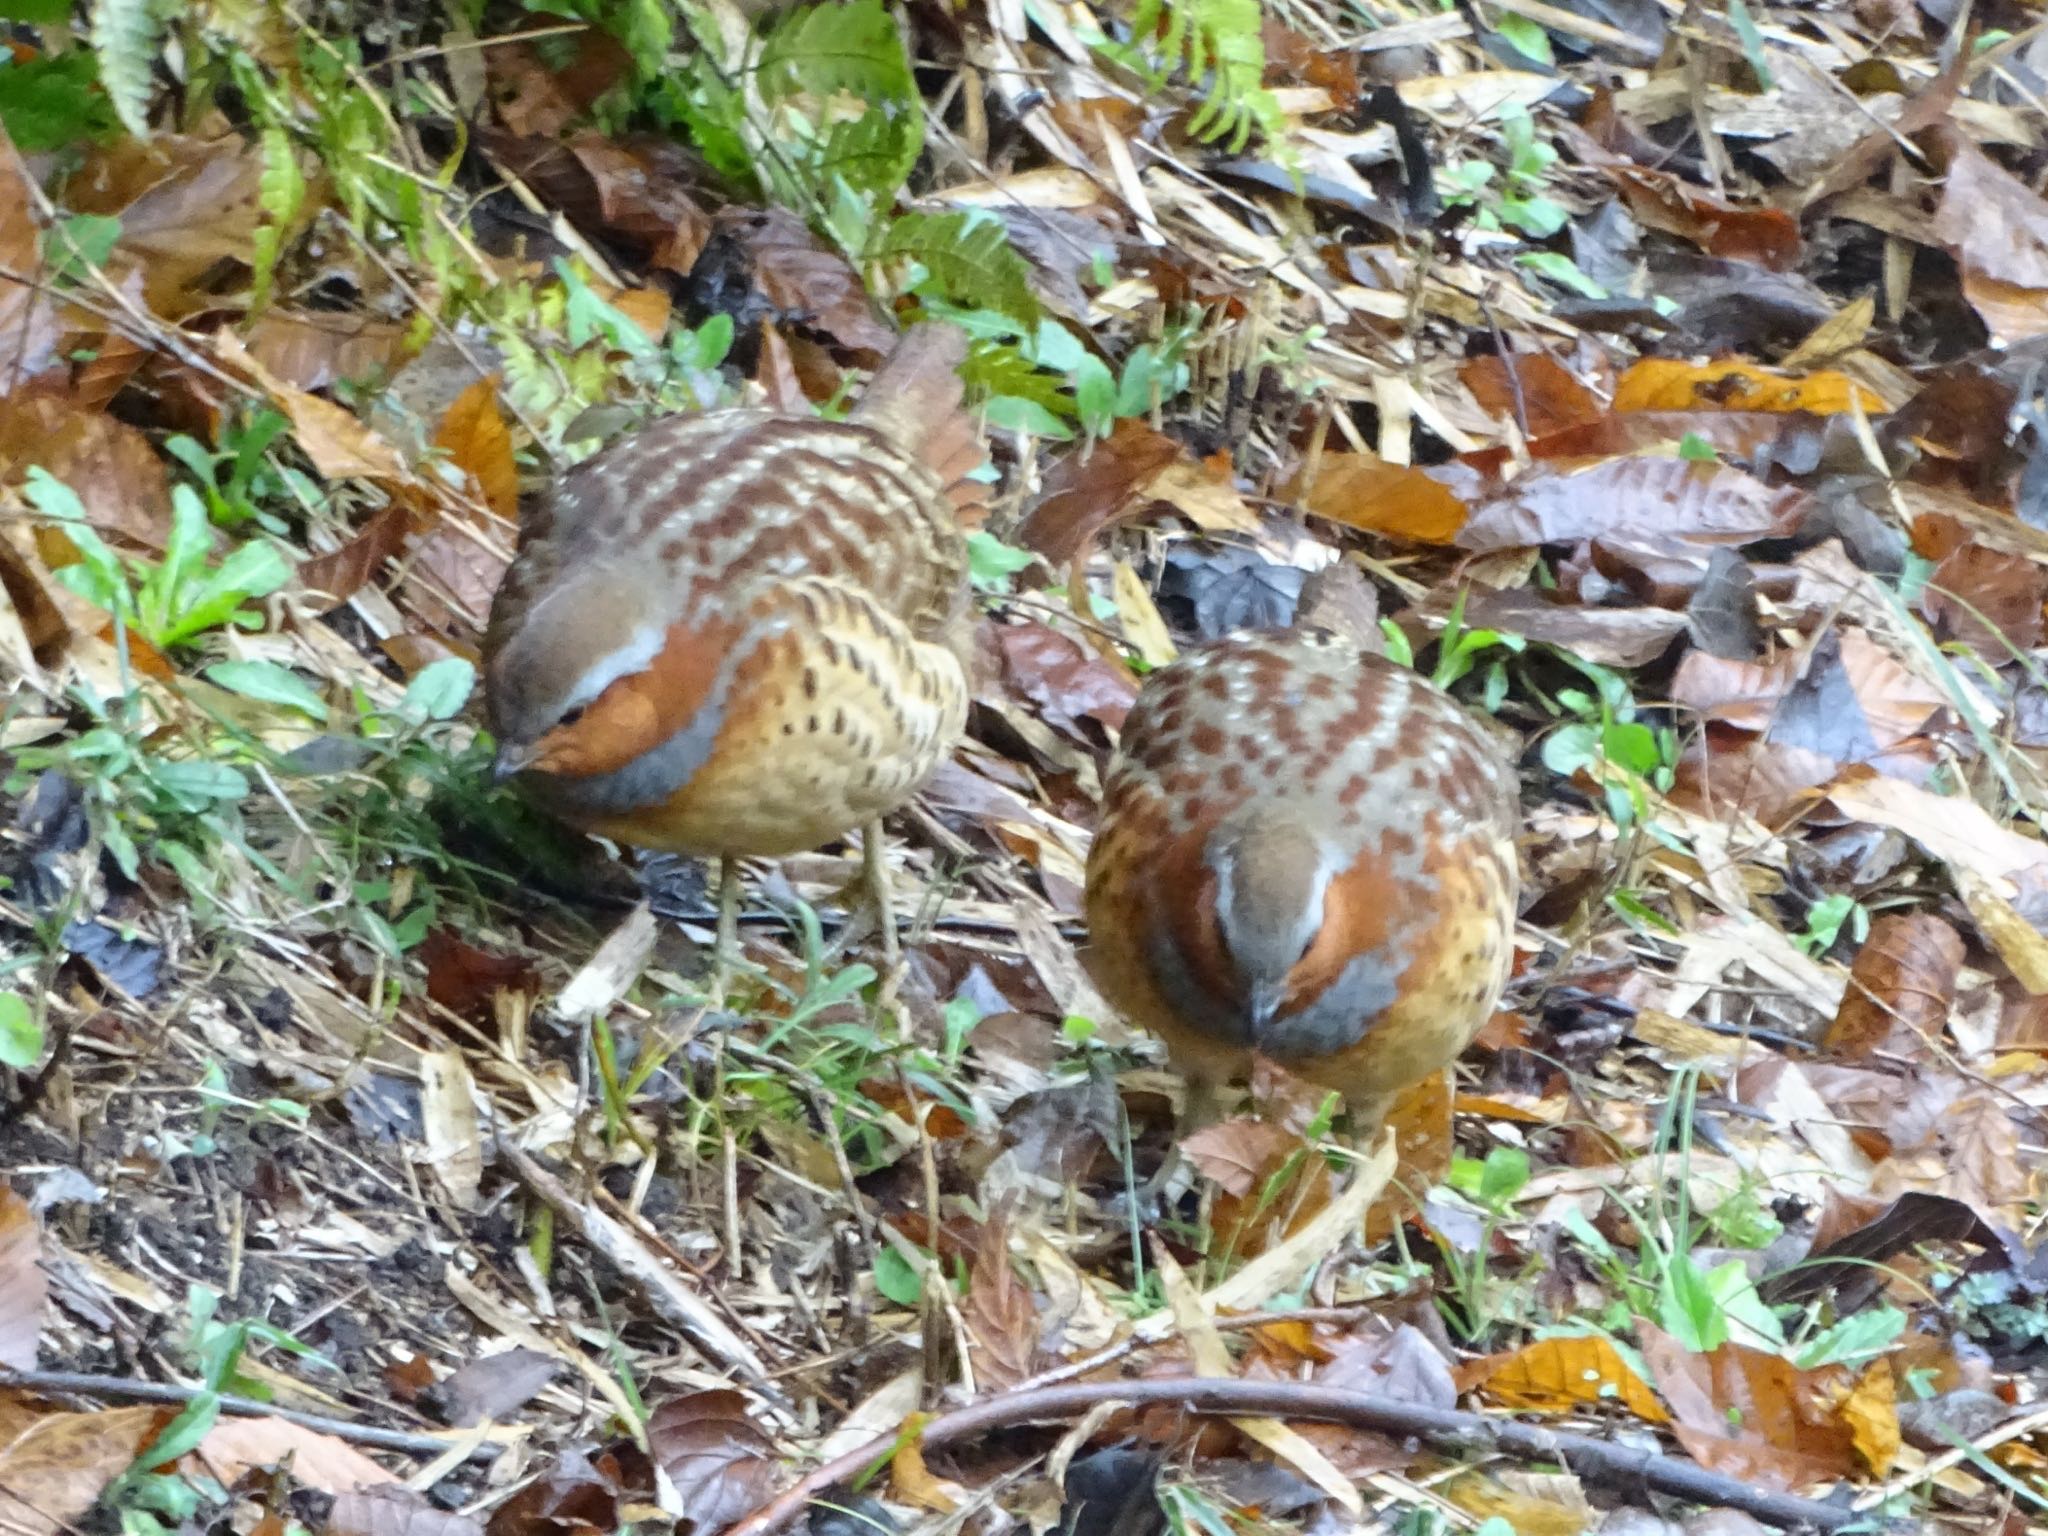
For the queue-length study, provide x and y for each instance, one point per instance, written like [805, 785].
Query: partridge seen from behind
[742, 632]
[1306, 852]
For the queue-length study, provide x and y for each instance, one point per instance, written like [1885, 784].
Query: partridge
[1305, 852]
[742, 632]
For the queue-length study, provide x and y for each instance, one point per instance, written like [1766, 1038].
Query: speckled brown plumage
[1307, 852]
[744, 633]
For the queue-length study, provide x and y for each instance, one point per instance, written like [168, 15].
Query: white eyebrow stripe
[634, 656]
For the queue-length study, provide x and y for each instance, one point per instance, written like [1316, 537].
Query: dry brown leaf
[1362, 490]
[1660, 500]
[720, 1461]
[449, 1119]
[474, 436]
[311, 349]
[29, 330]
[341, 573]
[118, 476]
[235, 1445]
[1752, 1415]
[339, 443]
[1900, 989]
[1997, 228]
[1533, 390]
[55, 1466]
[188, 205]
[24, 1287]
[1241, 1153]
[395, 1511]
[999, 1309]
[1767, 236]
[1088, 492]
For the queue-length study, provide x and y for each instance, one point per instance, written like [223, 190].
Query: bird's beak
[1266, 1002]
[514, 757]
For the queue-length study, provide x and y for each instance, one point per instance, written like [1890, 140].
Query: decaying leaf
[24, 1287]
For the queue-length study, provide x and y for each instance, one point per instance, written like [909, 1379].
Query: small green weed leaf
[37, 13]
[1859, 1337]
[1561, 270]
[83, 240]
[124, 39]
[991, 563]
[1010, 413]
[440, 689]
[897, 1278]
[1526, 38]
[268, 683]
[51, 101]
[1687, 1307]
[1640, 913]
[181, 1436]
[21, 1038]
[200, 784]
[1503, 1175]
[1826, 919]
[1400, 650]
[1752, 43]
[1750, 1318]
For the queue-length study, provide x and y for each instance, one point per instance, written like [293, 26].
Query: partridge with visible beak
[744, 633]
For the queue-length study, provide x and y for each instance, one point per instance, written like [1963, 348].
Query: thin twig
[134, 1389]
[1598, 1461]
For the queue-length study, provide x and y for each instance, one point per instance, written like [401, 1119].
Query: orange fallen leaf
[1560, 1374]
[1362, 490]
[474, 436]
[1673, 384]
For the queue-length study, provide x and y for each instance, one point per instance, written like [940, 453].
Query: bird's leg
[1202, 1106]
[726, 948]
[875, 870]
[875, 874]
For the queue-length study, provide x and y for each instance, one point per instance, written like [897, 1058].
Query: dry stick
[1599, 1461]
[669, 1293]
[134, 1389]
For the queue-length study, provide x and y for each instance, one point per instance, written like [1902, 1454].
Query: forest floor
[1665, 380]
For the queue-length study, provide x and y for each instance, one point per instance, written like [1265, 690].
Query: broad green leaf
[270, 683]
[440, 689]
[21, 1038]
[1526, 37]
[200, 783]
[897, 1278]
[991, 562]
[1687, 1308]
[51, 101]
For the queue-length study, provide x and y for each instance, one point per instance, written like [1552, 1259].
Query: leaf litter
[1669, 386]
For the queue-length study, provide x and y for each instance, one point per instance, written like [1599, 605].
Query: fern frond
[124, 40]
[281, 191]
[1216, 42]
[825, 49]
[967, 258]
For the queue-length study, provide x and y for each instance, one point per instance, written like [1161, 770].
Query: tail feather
[917, 399]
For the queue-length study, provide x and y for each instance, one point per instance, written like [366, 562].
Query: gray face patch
[1341, 1015]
